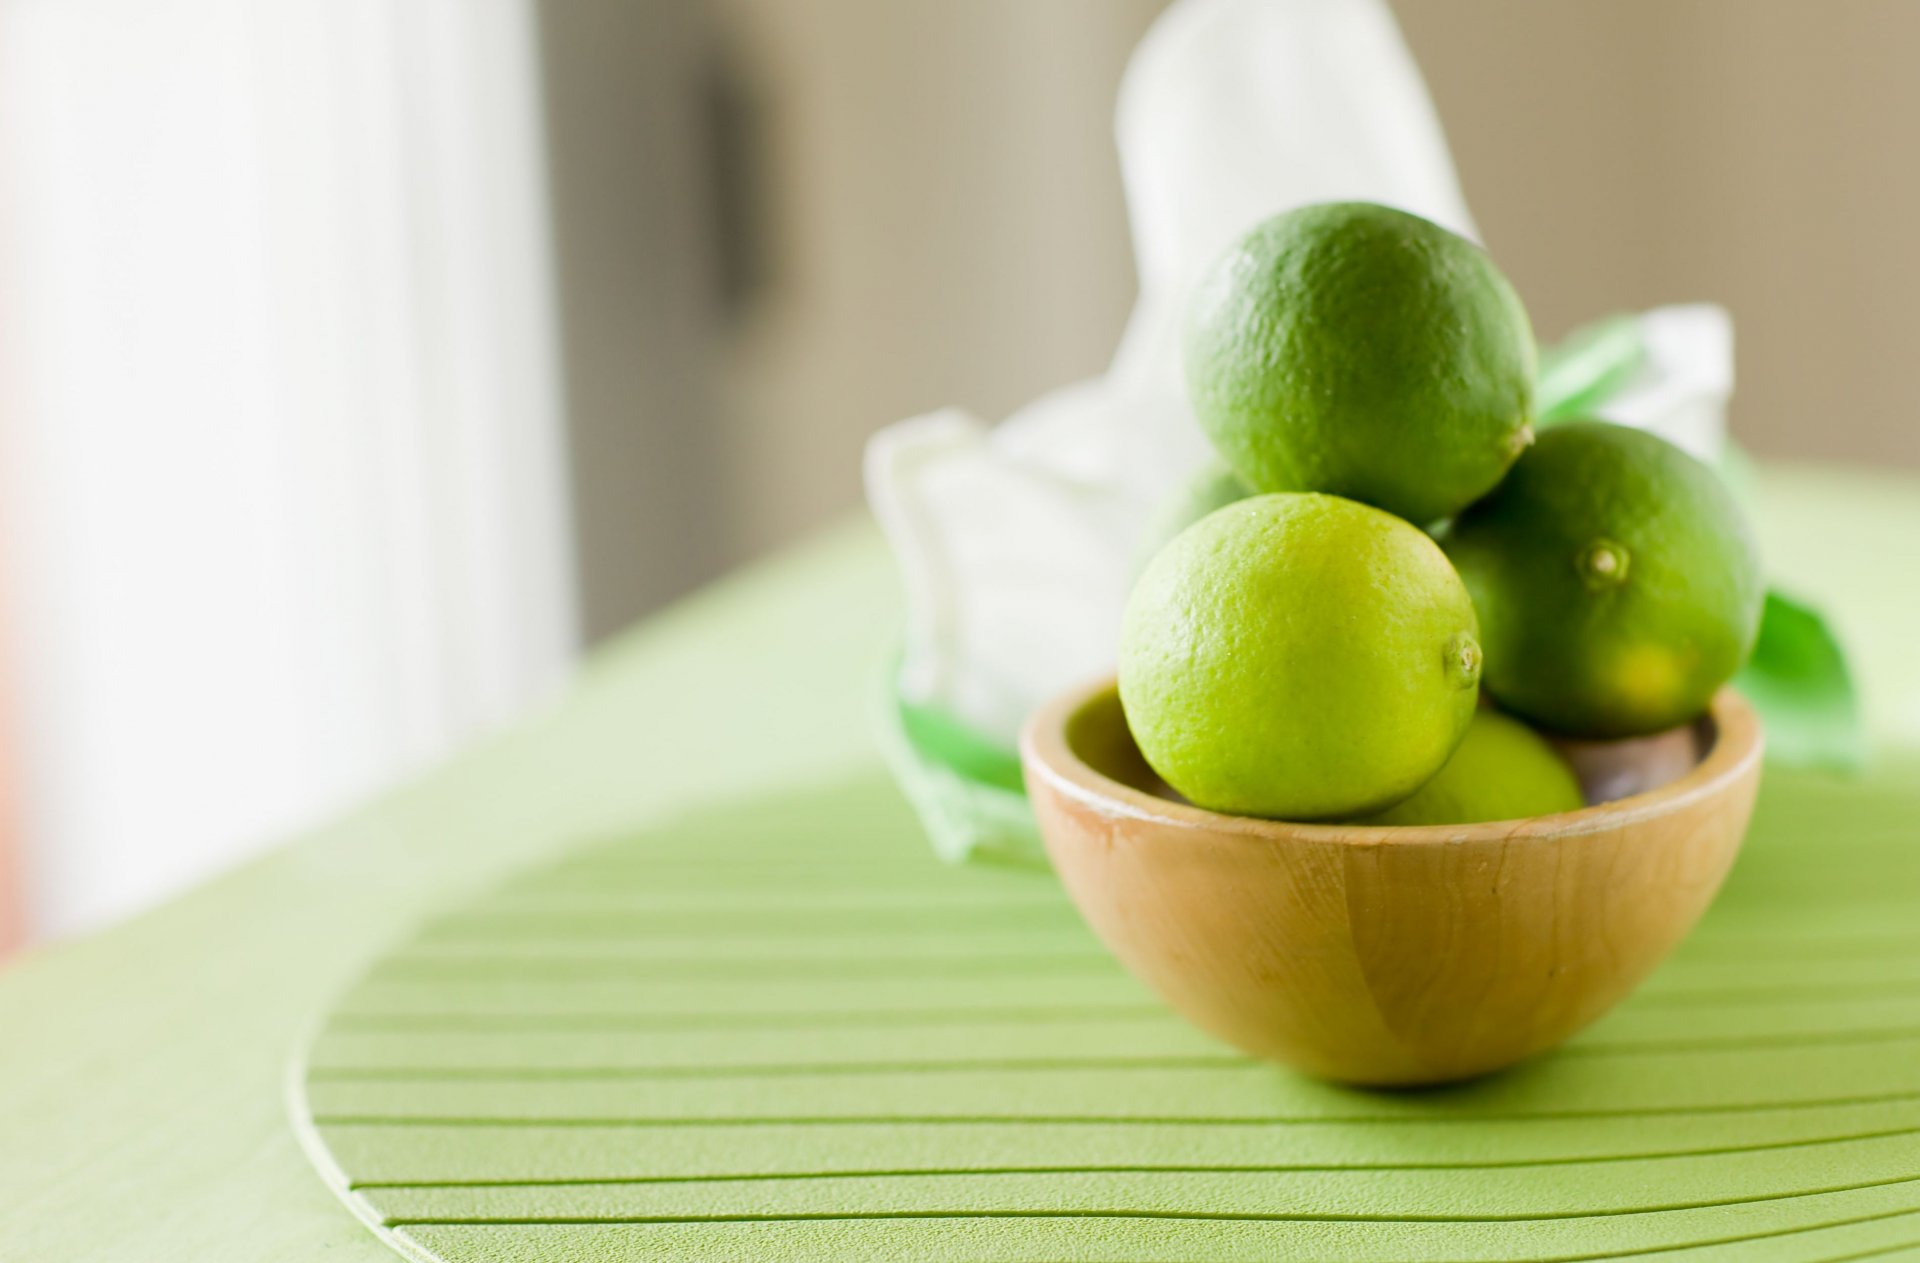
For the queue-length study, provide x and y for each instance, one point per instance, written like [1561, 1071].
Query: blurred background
[362, 361]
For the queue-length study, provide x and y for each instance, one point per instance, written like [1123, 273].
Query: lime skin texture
[1358, 350]
[1503, 770]
[1617, 583]
[1299, 657]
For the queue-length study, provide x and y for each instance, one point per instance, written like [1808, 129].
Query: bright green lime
[1359, 350]
[1300, 657]
[1617, 583]
[1503, 770]
[1213, 487]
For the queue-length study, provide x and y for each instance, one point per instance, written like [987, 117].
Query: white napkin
[1682, 389]
[1017, 543]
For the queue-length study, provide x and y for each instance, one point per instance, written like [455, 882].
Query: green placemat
[785, 1031]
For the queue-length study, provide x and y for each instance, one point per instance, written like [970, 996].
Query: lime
[1298, 656]
[1617, 583]
[1359, 350]
[1214, 486]
[1503, 770]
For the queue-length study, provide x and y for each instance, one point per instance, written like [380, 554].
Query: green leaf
[939, 735]
[965, 787]
[1587, 366]
[1797, 679]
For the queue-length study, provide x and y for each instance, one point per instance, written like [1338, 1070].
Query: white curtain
[280, 442]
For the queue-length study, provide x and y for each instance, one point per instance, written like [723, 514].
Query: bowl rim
[1047, 755]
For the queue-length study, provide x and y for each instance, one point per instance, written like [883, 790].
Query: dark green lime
[1359, 350]
[1616, 581]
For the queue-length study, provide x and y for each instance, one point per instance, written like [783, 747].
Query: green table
[143, 1072]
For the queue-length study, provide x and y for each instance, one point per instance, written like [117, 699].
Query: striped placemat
[781, 1031]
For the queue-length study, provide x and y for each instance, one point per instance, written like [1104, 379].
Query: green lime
[1213, 487]
[1298, 656]
[1503, 770]
[1617, 583]
[1359, 350]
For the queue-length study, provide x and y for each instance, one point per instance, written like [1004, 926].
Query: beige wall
[946, 221]
[635, 253]
[1760, 153]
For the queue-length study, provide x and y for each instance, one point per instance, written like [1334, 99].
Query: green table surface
[143, 1071]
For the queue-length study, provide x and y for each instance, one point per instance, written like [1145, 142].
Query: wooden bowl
[1380, 955]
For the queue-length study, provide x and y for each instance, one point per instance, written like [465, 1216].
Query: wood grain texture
[1383, 955]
